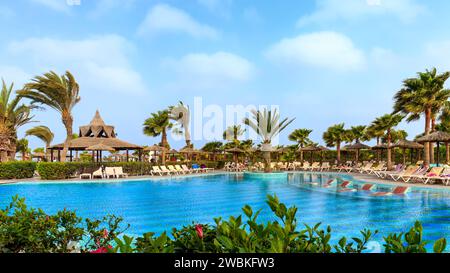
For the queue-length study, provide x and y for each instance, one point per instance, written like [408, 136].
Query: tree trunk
[447, 153]
[4, 146]
[267, 162]
[338, 150]
[12, 147]
[163, 144]
[433, 127]
[301, 153]
[389, 159]
[68, 122]
[426, 159]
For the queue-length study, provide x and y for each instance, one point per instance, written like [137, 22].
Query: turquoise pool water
[160, 205]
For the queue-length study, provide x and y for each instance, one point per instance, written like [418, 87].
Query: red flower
[101, 249]
[199, 230]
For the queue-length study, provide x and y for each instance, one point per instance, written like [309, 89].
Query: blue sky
[322, 61]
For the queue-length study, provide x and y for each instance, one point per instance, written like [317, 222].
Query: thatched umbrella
[189, 151]
[157, 148]
[322, 149]
[310, 149]
[379, 148]
[406, 144]
[98, 148]
[235, 151]
[437, 137]
[357, 147]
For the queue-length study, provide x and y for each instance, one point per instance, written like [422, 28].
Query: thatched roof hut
[155, 148]
[436, 136]
[356, 146]
[406, 144]
[380, 147]
[100, 147]
[96, 133]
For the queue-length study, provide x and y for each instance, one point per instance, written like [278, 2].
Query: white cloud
[99, 63]
[58, 5]
[329, 50]
[163, 18]
[205, 71]
[331, 10]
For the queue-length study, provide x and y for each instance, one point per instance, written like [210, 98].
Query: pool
[159, 205]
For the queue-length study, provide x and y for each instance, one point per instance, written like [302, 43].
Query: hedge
[65, 170]
[17, 169]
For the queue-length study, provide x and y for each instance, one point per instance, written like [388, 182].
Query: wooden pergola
[95, 133]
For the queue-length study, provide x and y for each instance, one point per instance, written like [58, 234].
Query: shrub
[30, 230]
[17, 169]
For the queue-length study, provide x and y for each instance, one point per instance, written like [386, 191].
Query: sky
[321, 62]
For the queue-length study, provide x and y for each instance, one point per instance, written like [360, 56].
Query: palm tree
[424, 95]
[12, 116]
[334, 136]
[301, 136]
[181, 115]
[358, 133]
[58, 92]
[267, 125]
[232, 133]
[386, 123]
[158, 125]
[22, 147]
[396, 135]
[213, 147]
[43, 133]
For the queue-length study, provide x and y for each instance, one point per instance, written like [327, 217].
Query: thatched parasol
[357, 147]
[235, 151]
[155, 148]
[406, 144]
[437, 136]
[310, 149]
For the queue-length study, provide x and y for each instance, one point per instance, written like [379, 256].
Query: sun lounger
[424, 176]
[86, 175]
[376, 170]
[314, 166]
[164, 169]
[157, 170]
[109, 172]
[119, 172]
[408, 171]
[364, 168]
[191, 170]
[180, 170]
[325, 166]
[173, 169]
[399, 190]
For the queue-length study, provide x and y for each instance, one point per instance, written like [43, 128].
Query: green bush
[30, 230]
[65, 170]
[17, 169]
[33, 231]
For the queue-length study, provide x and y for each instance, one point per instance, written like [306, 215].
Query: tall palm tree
[12, 116]
[396, 135]
[424, 95]
[43, 133]
[232, 133]
[386, 123]
[267, 125]
[58, 92]
[158, 125]
[301, 136]
[334, 136]
[181, 115]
